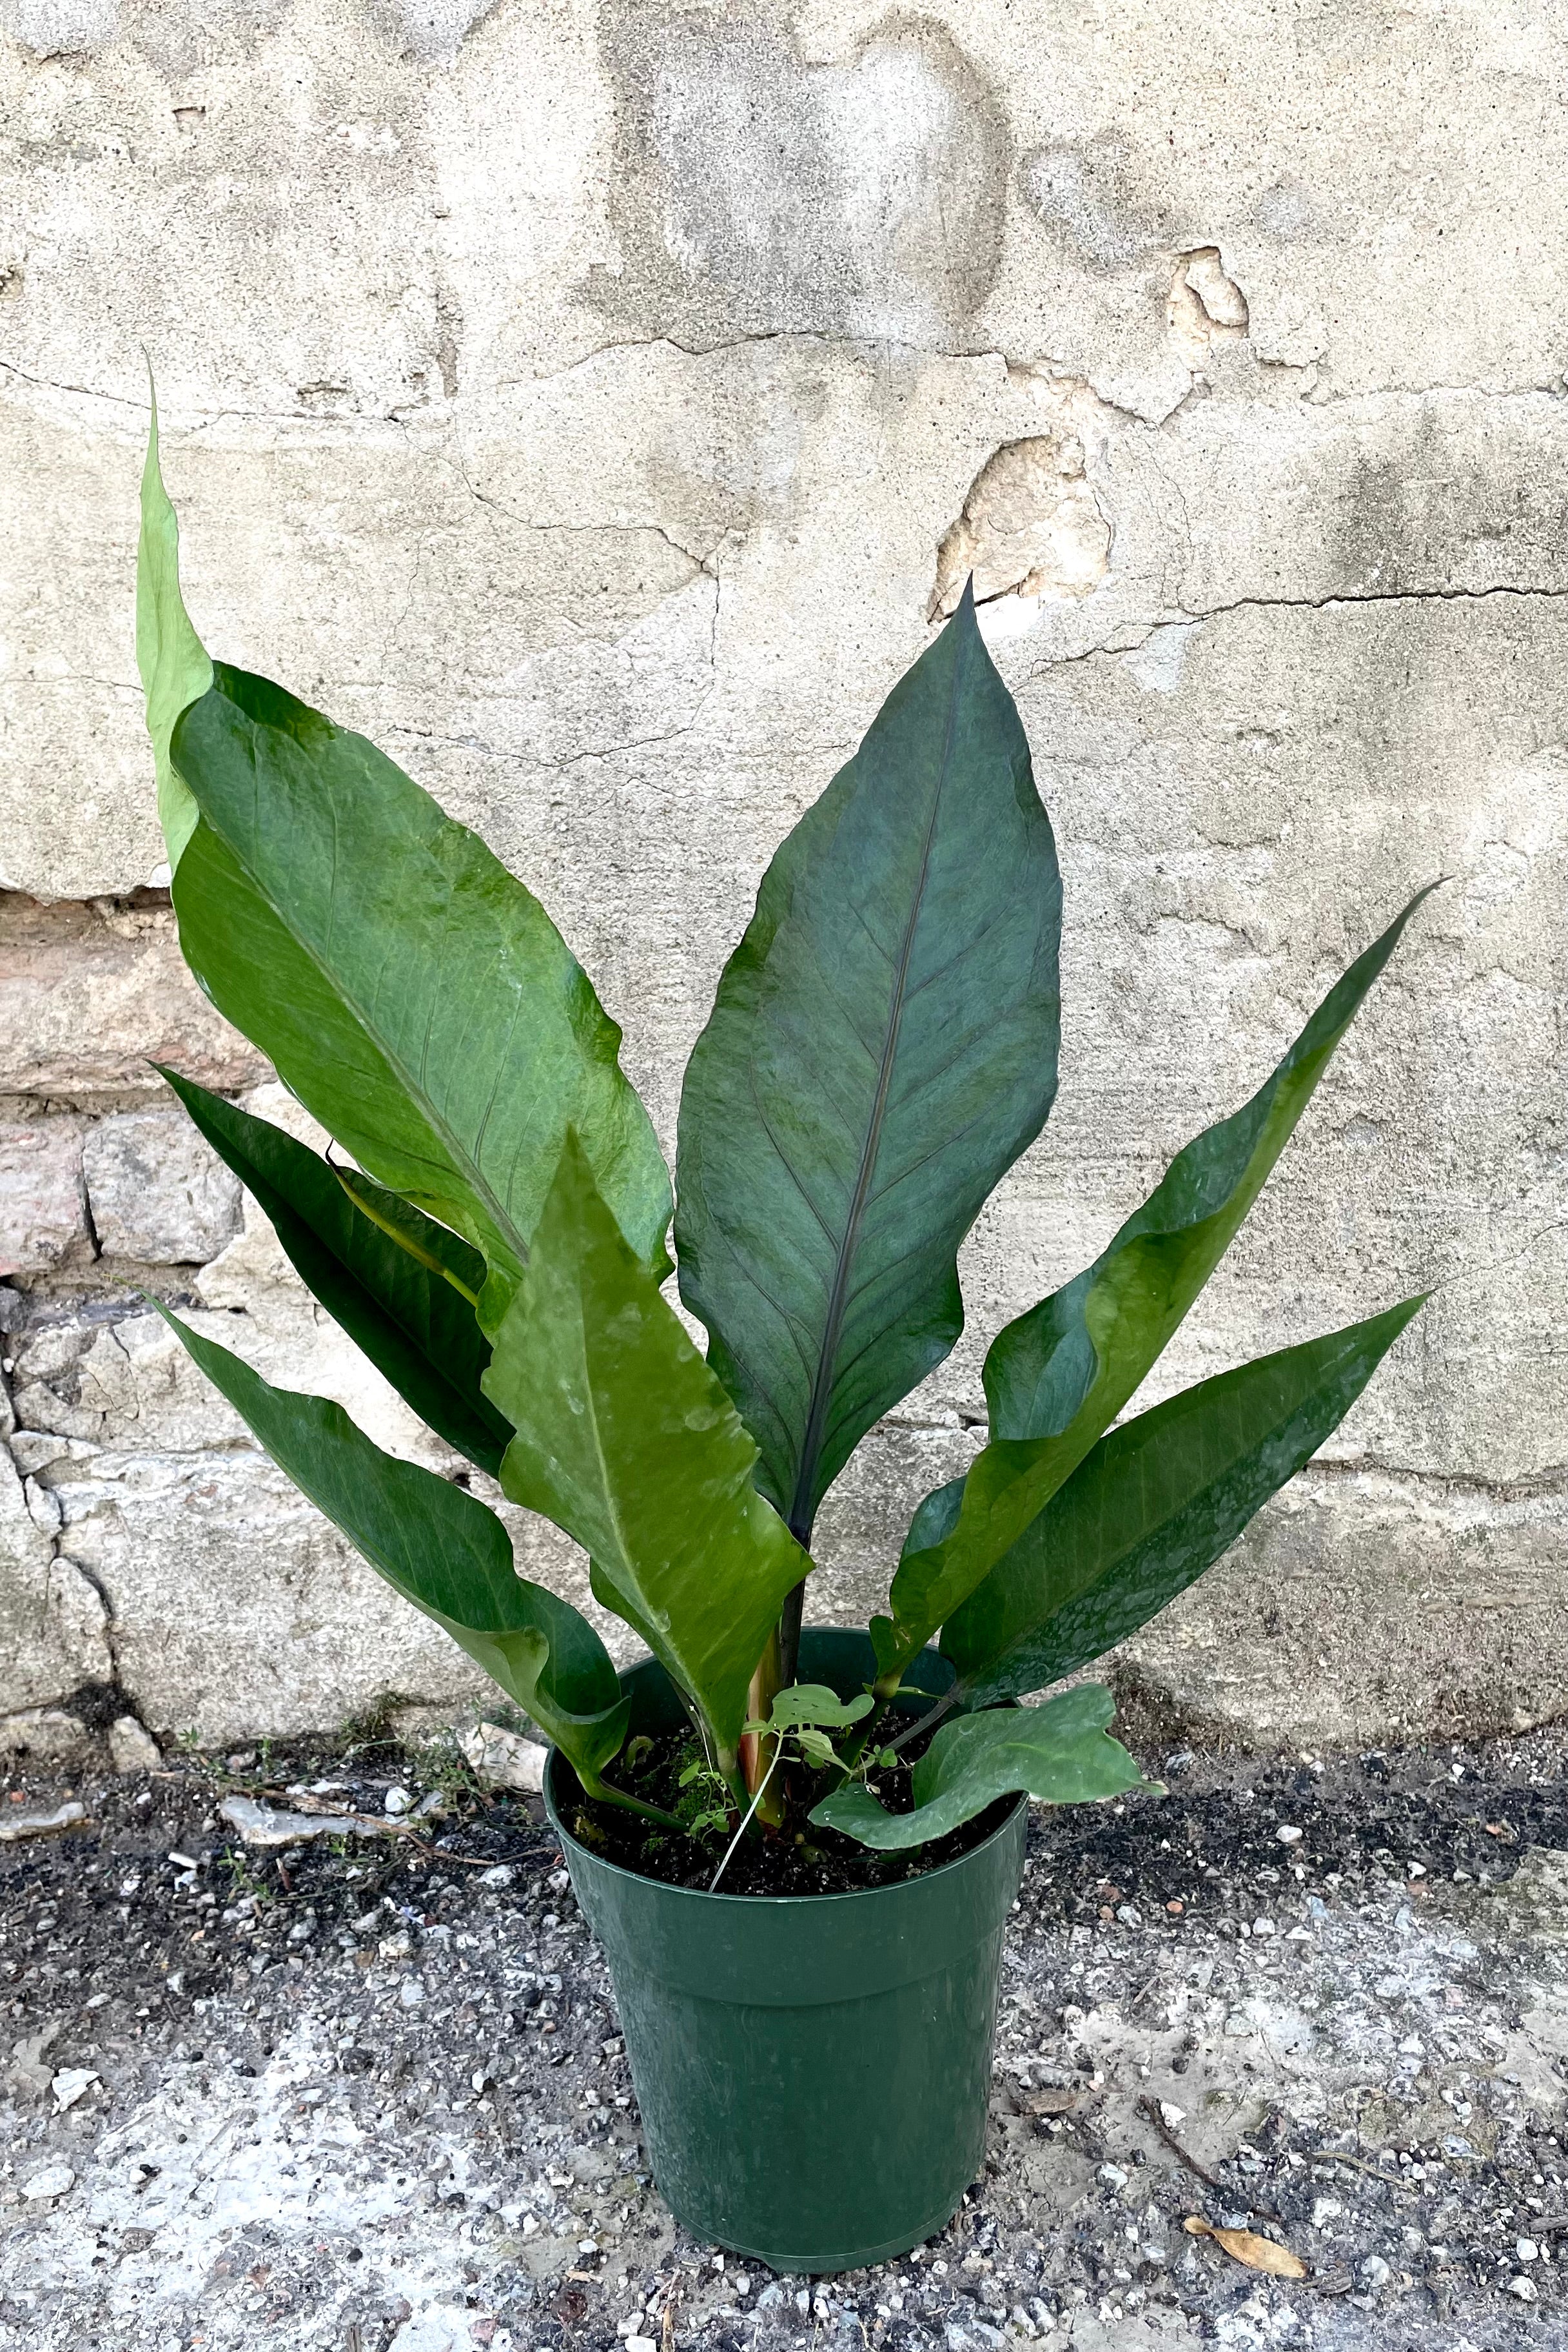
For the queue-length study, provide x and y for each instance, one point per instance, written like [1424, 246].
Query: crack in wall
[1548, 1484]
[1132, 636]
[97, 1703]
[1040, 365]
[1357, 596]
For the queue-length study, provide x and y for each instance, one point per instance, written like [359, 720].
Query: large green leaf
[172, 660]
[625, 1439]
[1060, 1375]
[412, 993]
[412, 1322]
[442, 1550]
[882, 1047]
[1152, 1505]
[1060, 1753]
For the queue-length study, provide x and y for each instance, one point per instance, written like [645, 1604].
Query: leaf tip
[151, 469]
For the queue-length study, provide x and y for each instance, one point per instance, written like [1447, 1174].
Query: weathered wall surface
[594, 403]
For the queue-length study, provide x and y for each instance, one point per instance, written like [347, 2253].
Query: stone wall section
[597, 405]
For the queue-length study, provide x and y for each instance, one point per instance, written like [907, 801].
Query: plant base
[814, 2072]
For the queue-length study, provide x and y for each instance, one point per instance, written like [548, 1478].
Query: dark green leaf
[882, 1047]
[1060, 1753]
[412, 993]
[415, 1328]
[625, 1439]
[1060, 1375]
[443, 1551]
[1152, 1505]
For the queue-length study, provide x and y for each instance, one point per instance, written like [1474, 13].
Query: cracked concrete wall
[595, 403]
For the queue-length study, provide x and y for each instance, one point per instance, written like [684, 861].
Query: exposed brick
[91, 996]
[158, 1192]
[43, 1200]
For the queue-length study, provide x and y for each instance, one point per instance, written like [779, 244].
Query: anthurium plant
[882, 1047]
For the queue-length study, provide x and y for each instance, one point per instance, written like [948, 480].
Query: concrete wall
[594, 403]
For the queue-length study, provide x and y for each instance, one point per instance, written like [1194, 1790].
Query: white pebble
[56, 2180]
[398, 1801]
[1523, 2287]
[1113, 2176]
[501, 1875]
[1528, 2251]
[1287, 1835]
[73, 2083]
[503, 1759]
[641, 2343]
[131, 1748]
[411, 1992]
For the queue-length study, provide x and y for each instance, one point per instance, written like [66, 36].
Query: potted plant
[798, 1848]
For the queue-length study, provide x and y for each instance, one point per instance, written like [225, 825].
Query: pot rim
[760, 1902]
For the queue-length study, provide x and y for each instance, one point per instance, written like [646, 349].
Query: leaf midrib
[801, 1513]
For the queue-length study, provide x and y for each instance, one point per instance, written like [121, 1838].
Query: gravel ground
[369, 2094]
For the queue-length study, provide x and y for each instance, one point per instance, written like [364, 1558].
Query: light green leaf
[409, 991]
[1060, 1753]
[169, 656]
[1152, 1505]
[814, 1703]
[1058, 1376]
[442, 1550]
[416, 1328]
[628, 1441]
[882, 1047]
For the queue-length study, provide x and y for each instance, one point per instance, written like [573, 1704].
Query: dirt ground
[368, 2092]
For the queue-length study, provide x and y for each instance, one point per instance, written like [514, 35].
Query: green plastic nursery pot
[813, 2071]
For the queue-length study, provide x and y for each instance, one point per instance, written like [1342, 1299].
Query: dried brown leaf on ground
[1245, 2246]
[1048, 2103]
